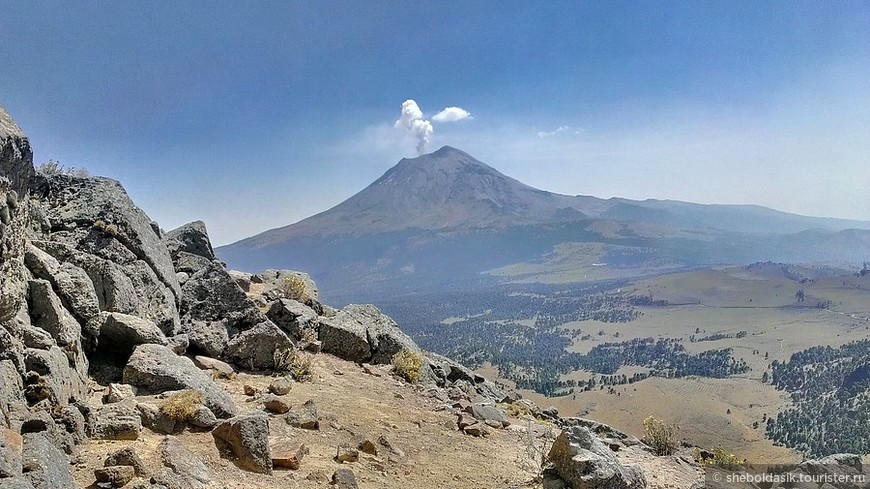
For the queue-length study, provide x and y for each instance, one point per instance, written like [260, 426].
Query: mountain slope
[441, 219]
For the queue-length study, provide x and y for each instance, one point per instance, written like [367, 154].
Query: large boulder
[16, 156]
[72, 284]
[292, 316]
[245, 439]
[182, 468]
[584, 462]
[118, 421]
[191, 238]
[215, 308]
[16, 173]
[45, 466]
[56, 374]
[126, 332]
[255, 348]
[361, 333]
[96, 216]
[156, 368]
[277, 278]
[11, 446]
[47, 312]
[115, 290]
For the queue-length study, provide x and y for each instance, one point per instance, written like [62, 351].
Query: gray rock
[157, 421]
[44, 465]
[346, 453]
[281, 386]
[584, 462]
[486, 413]
[185, 468]
[11, 387]
[19, 482]
[241, 278]
[277, 278]
[126, 332]
[115, 290]
[179, 343]
[255, 348]
[209, 337]
[120, 392]
[607, 434]
[292, 316]
[114, 475]
[11, 447]
[72, 284]
[52, 376]
[120, 421]
[304, 416]
[182, 277]
[189, 263]
[14, 223]
[71, 420]
[75, 208]
[37, 338]
[218, 368]
[16, 156]
[345, 338]
[344, 478]
[190, 238]
[361, 333]
[47, 312]
[126, 456]
[211, 295]
[245, 439]
[157, 369]
[40, 421]
[203, 418]
[276, 404]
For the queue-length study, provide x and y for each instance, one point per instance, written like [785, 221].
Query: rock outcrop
[361, 333]
[584, 462]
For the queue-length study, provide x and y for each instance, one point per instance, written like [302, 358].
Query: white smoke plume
[412, 120]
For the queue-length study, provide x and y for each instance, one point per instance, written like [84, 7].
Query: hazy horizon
[252, 118]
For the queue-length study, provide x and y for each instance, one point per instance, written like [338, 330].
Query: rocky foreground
[131, 357]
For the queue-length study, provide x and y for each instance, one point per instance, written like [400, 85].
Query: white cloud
[546, 134]
[452, 114]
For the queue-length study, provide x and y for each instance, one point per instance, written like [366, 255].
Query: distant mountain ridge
[447, 201]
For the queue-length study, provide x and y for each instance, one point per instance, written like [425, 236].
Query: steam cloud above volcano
[412, 121]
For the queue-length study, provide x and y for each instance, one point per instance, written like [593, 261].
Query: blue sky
[253, 115]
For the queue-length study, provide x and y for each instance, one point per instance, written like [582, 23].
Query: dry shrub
[181, 406]
[662, 437]
[297, 364]
[518, 409]
[308, 335]
[721, 458]
[294, 288]
[408, 365]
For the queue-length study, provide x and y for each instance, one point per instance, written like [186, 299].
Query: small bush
[408, 365]
[294, 288]
[308, 335]
[112, 229]
[100, 224]
[181, 406]
[53, 167]
[662, 437]
[297, 364]
[518, 409]
[720, 458]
